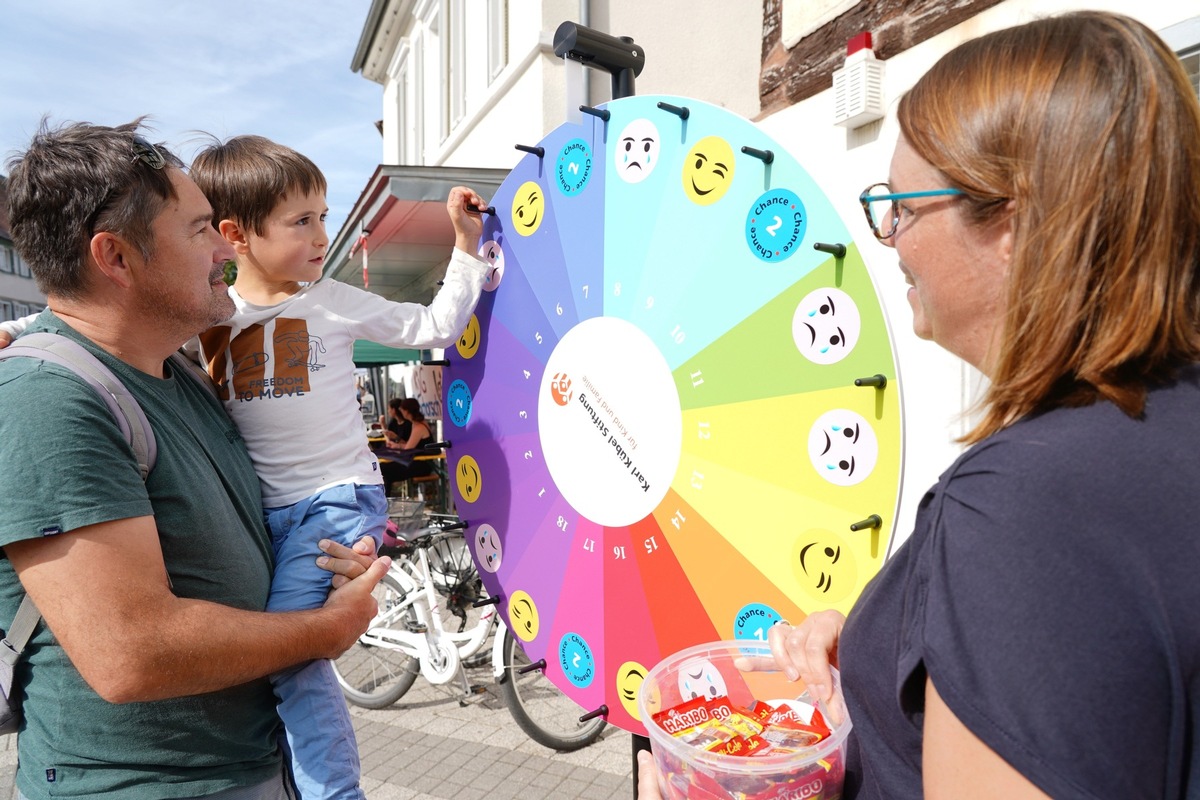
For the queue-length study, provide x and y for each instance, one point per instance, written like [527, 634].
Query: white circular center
[609, 421]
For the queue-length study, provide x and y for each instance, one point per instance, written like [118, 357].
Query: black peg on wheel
[437, 362]
[683, 112]
[537, 151]
[835, 249]
[486, 601]
[540, 664]
[873, 521]
[602, 711]
[766, 156]
[476, 209]
[877, 380]
[602, 113]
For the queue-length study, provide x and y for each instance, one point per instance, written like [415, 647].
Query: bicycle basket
[407, 514]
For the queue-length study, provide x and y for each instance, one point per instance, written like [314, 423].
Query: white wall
[936, 387]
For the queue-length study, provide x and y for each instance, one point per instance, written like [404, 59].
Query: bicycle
[432, 583]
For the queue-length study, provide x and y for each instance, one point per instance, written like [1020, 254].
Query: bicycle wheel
[373, 676]
[540, 708]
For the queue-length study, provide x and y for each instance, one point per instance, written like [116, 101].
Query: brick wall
[789, 76]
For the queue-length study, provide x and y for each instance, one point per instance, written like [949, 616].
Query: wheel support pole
[639, 743]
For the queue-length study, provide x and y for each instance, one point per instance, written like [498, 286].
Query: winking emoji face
[708, 170]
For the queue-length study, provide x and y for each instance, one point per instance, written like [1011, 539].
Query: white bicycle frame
[438, 651]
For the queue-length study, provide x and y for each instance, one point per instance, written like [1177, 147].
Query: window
[497, 26]
[1191, 64]
[1184, 39]
[6, 311]
[407, 128]
[455, 48]
[22, 267]
[435, 88]
[8, 257]
[20, 310]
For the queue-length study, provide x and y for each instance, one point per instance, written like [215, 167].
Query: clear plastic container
[685, 771]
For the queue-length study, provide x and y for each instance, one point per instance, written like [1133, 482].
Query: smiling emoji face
[824, 566]
[529, 206]
[468, 479]
[708, 170]
[523, 616]
[630, 677]
[468, 343]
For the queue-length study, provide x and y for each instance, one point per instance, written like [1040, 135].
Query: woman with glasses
[1039, 633]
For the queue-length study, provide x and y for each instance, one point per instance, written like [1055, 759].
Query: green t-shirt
[64, 464]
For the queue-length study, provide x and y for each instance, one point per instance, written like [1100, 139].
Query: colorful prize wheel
[657, 438]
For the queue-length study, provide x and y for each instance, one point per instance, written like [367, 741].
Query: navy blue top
[1051, 590]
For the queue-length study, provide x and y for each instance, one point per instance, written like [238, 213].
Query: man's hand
[355, 598]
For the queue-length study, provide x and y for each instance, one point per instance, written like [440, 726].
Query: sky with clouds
[224, 67]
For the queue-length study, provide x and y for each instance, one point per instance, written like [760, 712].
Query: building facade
[459, 90]
[19, 294]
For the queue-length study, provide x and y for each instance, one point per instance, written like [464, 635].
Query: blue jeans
[319, 738]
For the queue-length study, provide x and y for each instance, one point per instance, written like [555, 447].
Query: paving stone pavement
[429, 747]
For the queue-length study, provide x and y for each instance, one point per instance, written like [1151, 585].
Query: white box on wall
[858, 86]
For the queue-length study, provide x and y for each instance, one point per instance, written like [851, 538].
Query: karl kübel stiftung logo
[560, 388]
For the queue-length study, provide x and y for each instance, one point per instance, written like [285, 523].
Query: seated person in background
[396, 429]
[398, 464]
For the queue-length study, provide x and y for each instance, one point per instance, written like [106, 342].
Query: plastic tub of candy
[724, 725]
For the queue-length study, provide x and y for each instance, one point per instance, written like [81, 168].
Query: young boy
[282, 364]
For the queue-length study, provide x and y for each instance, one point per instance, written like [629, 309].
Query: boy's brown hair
[246, 177]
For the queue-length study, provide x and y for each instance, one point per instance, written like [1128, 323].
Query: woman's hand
[647, 777]
[346, 563]
[805, 652]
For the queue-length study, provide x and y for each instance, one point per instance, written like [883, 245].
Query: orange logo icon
[560, 388]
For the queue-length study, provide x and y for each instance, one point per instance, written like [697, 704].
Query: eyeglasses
[147, 153]
[144, 152]
[882, 207]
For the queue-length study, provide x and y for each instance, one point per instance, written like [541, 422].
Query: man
[146, 678]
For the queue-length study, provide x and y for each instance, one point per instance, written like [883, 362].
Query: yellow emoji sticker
[708, 170]
[468, 343]
[629, 680]
[523, 616]
[468, 478]
[529, 206]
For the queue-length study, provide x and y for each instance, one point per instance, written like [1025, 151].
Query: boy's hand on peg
[468, 225]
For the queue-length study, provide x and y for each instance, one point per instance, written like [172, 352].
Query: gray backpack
[57, 349]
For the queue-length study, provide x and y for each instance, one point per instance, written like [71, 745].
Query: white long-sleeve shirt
[286, 374]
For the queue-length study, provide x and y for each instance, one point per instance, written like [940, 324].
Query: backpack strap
[57, 349]
[180, 361]
[60, 350]
[19, 632]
